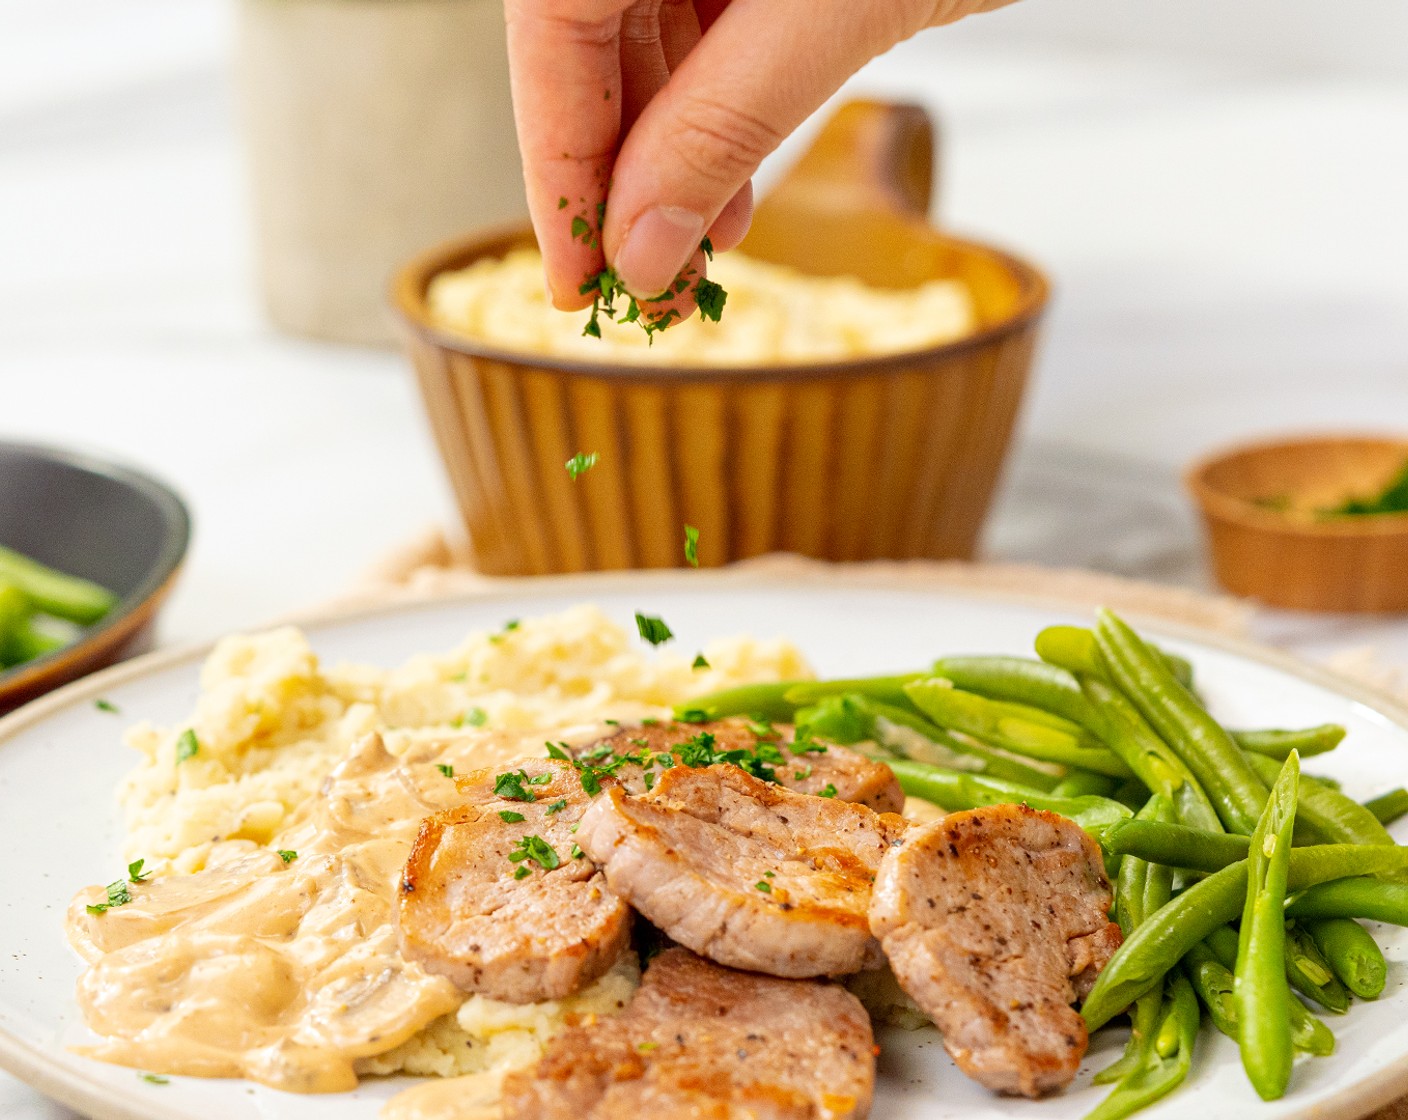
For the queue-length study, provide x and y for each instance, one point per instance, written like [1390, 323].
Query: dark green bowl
[93, 518]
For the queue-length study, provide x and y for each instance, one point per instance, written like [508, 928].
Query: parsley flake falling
[581, 463]
[187, 746]
[508, 816]
[510, 785]
[538, 850]
[288, 855]
[691, 545]
[446, 769]
[700, 662]
[653, 629]
[107, 706]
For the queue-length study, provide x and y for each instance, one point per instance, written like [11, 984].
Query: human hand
[644, 120]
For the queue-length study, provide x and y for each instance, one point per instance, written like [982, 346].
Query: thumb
[761, 69]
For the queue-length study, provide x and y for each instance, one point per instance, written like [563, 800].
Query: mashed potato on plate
[277, 820]
[774, 316]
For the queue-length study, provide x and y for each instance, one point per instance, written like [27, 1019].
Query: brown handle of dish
[870, 156]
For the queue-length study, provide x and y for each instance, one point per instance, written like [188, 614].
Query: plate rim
[78, 1090]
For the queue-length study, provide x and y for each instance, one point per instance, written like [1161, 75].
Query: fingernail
[657, 247]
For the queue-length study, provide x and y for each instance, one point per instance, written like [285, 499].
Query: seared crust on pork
[844, 773]
[707, 1043]
[744, 872]
[994, 921]
[467, 912]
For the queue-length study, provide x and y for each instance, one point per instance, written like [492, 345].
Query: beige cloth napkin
[432, 565]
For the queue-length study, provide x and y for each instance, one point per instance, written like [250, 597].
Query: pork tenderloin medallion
[772, 750]
[496, 895]
[995, 921]
[744, 872]
[705, 1042]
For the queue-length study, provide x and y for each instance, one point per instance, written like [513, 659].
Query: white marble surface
[1227, 239]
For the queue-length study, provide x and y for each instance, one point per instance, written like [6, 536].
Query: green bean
[1175, 845]
[762, 701]
[888, 690]
[1160, 942]
[1371, 899]
[56, 593]
[1261, 992]
[1074, 649]
[954, 790]
[1309, 973]
[891, 726]
[1308, 1034]
[1352, 952]
[837, 719]
[1014, 727]
[27, 641]
[15, 609]
[1166, 1057]
[1235, 789]
[1086, 783]
[1213, 981]
[1021, 680]
[1130, 737]
[1339, 819]
[1388, 807]
[1278, 744]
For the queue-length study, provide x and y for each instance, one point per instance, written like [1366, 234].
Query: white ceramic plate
[60, 758]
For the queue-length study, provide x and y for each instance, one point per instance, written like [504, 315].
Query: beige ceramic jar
[374, 128]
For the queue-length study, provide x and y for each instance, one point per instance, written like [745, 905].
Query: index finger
[564, 65]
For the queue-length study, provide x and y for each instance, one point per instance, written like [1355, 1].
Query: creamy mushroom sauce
[283, 973]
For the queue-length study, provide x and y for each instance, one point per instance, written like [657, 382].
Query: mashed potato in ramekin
[774, 316]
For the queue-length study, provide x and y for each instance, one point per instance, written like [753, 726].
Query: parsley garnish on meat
[828, 790]
[580, 463]
[187, 746]
[508, 816]
[541, 779]
[559, 751]
[691, 545]
[510, 785]
[538, 850]
[446, 769]
[653, 629]
[577, 852]
[557, 806]
[803, 743]
[522, 871]
[765, 887]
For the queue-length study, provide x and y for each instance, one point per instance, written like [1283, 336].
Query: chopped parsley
[522, 871]
[557, 806]
[700, 661]
[446, 769]
[118, 895]
[559, 752]
[694, 715]
[287, 855]
[803, 743]
[106, 706]
[764, 886]
[828, 790]
[475, 717]
[703, 750]
[802, 773]
[508, 816]
[541, 779]
[509, 627]
[769, 874]
[653, 629]
[691, 545]
[577, 852]
[707, 247]
[562, 203]
[581, 463]
[538, 850]
[591, 779]
[135, 874]
[647, 1047]
[154, 1079]
[510, 785]
[187, 746]
[710, 297]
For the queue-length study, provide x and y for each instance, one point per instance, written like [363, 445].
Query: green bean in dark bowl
[1239, 884]
[88, 551]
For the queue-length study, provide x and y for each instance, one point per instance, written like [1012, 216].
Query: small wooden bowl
[104, 522]
[1262, 507]
[888, 456]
